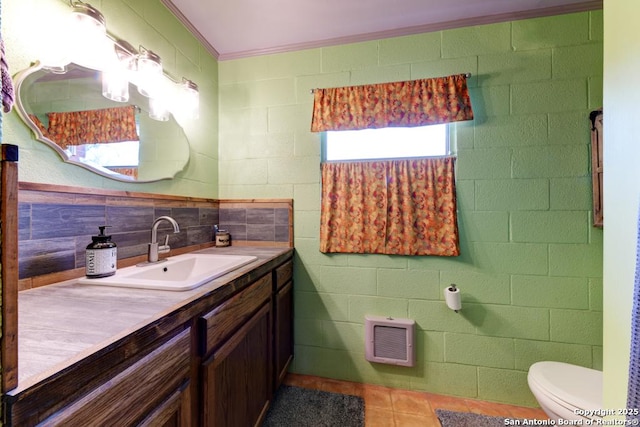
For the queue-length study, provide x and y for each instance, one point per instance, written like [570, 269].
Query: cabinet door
[237, 377]
[283, 332]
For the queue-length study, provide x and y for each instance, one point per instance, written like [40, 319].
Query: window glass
[386, 143]
[113, 154]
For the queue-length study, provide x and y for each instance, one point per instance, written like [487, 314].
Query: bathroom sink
[177, 273]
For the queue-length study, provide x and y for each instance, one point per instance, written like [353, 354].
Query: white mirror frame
[19, 80]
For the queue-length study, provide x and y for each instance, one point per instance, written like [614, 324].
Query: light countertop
[60, 324]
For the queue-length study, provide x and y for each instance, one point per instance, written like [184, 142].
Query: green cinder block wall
[531, 264]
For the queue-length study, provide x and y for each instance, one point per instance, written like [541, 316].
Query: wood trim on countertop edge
[54, 188]
[9, 264]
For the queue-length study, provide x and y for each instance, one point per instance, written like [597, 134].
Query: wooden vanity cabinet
[236, 372]
[214, 362]
[283, 321]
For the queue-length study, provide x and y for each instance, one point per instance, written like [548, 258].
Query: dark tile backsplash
[44, 256]
[124, 218]
[52, 236]
[260, 216]
[49, 221]
[233, 216]
[256, 224]
[24, 221]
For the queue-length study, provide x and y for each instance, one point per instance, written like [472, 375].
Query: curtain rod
[467, 75]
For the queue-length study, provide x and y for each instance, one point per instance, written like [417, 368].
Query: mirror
[160, 153]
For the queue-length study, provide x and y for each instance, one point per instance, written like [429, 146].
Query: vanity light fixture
[158, 110]
[115, 85]
[115, 78]
[121, 64]
[190, 99]
[89, 31]
[149, 73]
[88, 19]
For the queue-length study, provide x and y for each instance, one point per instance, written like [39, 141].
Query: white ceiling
[241, 28]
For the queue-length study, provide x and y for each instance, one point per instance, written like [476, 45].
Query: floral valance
[402, 207]
[131, 171]
[93, 126]
[399, 104]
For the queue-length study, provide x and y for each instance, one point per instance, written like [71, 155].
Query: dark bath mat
[298, 407]
[468, 419]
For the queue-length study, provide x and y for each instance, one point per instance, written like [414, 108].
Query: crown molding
[378, 35]
[197, 34]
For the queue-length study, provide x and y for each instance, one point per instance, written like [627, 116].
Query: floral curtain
[404, 207]
[399, 104]
[132, 171]
[93, 126]
[39, 124]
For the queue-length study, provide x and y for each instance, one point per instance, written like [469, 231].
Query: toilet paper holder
[452, 297]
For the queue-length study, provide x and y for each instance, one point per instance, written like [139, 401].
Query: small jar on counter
[222, 237]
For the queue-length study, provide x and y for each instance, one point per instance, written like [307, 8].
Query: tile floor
[389, 407]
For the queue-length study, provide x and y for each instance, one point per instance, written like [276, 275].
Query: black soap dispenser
[101, 256]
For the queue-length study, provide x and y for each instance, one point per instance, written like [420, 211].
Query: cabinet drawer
[284, 273]
[140, 388]
[220, 322]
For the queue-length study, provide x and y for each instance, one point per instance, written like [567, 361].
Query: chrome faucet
[154, 248]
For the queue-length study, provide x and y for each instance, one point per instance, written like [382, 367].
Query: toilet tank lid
[576, 385]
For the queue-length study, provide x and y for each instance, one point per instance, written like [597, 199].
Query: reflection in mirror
[67, 111]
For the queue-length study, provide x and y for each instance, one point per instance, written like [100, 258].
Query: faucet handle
[163, 249]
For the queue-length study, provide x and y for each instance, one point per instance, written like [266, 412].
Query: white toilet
[566, 391]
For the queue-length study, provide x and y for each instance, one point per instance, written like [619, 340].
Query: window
[387, 143]
[113, 154]
[401, 202]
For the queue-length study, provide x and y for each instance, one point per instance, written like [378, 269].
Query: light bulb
[115, 78]
[115, 85]
[149, 73]
[158, 110]
[90, 42]
[190, 99]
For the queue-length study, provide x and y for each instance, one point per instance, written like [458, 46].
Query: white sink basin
[178, 273]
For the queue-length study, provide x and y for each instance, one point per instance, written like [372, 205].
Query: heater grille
[389, 340]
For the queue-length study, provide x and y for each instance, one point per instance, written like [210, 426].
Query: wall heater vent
[389, 340]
